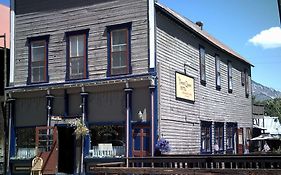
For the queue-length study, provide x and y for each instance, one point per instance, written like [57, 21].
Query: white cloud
[270, 38]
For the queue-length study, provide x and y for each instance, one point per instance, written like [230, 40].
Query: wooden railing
[212, 161]
[197, 164]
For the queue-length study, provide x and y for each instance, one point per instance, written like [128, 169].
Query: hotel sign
[184, 87]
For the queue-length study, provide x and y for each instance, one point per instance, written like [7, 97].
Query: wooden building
[131, 72]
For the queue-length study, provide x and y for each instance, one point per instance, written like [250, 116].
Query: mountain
[262, 92]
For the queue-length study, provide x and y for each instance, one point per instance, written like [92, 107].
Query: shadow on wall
[29, 6]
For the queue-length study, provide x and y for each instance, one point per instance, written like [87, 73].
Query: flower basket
[81, 130]
[162, 146]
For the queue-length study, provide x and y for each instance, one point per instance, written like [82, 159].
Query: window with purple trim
[119, 50]
[206, 133]
[77, 56]
[38, 60]
[230, 131]
[202, 65]
[218, 73]
[230, 80]
[219, 134]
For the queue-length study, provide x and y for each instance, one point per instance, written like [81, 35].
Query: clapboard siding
[180, 121]
[93, 16]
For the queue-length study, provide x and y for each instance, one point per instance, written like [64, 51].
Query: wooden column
[128, 92]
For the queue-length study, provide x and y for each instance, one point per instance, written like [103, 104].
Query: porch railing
[113, 151]
[197, 164]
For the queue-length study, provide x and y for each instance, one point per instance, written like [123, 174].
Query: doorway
[141, 140]
[66, 150]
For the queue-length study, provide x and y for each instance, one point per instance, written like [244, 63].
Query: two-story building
[132, 72]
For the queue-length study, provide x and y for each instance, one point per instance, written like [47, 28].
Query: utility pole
[5, 96]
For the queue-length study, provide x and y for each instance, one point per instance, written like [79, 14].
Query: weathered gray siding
[180, 121]
[59, 18]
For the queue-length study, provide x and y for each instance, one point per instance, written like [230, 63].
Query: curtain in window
[76, 56]
[119, 51]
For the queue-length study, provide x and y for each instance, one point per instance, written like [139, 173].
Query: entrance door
[47, 148]
[66, 149]
[141, 141]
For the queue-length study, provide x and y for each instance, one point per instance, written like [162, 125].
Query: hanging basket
[81, 129]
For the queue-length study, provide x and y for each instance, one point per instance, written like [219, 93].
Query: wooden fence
[195, 164]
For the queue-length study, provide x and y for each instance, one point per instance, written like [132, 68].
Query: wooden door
[141, 141]
[47, 148]
[240, 140]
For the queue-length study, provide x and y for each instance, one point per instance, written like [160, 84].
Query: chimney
[200, 24]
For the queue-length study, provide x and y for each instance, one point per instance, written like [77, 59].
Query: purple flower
[163, 145]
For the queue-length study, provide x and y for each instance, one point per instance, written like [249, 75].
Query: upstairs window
[202, 65]
[247, 86]
[77, 55]
[206, 144]
[119, 49]
[218, 73]
[243, 77]
[38, 59]
[230, 80]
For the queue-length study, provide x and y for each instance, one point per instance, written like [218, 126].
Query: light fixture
[140, 116]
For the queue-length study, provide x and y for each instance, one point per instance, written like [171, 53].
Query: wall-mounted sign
[184, 87]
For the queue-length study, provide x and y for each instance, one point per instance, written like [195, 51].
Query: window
[108, 140]
[247, 91]
[218, 73]
[206, 137]
[202, 65]
[230, 131]
[25, 141]
[243, 77]
[77, 64]
[219, 135]
[119, 49]
[38, 59]
[230, 83]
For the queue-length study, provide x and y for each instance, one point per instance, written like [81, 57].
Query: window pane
[119, 37]
[73, 46]
[76, 67]
[38, 51]
[80, 45]
[35, 74]
[119, 59]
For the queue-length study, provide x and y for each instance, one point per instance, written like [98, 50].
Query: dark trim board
[76, 83]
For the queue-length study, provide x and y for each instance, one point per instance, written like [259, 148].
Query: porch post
[85, 140]
[152, 103]
[11, 133]
[49, 107]
[128, 92]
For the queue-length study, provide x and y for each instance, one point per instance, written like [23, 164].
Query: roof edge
[171, 14]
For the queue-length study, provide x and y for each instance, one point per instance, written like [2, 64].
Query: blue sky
[237, 24]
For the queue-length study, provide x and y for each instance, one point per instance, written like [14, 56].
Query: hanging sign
[184, 87]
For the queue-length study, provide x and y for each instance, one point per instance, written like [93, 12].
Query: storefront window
[108, 141]
[206, 137]
[25, 143]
